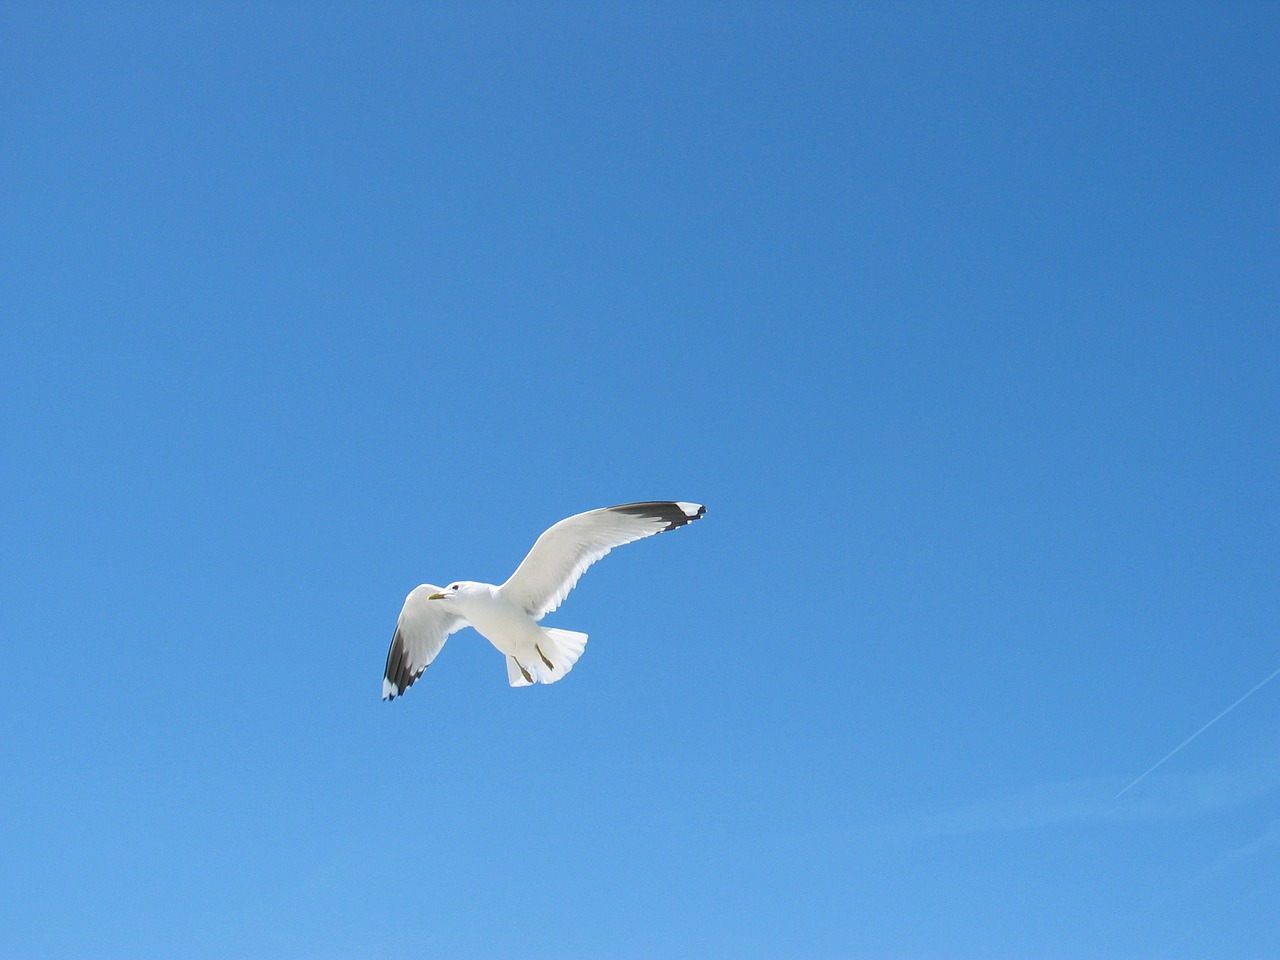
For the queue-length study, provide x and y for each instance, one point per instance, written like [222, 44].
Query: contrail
[1275, 673]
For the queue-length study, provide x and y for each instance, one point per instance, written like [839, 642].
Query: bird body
[507, 615]
[536, 650]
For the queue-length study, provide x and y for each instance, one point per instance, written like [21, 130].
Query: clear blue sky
[962, 324]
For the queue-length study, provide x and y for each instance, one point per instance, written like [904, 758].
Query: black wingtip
[399, 675]
[672, 513]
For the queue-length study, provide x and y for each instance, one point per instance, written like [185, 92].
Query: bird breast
[495, 617]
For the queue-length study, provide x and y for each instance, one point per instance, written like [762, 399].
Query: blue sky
[962, 324]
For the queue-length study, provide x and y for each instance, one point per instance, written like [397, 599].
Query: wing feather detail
[421, 631]
[564, 551]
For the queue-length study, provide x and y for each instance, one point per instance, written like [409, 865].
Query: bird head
[454, 590]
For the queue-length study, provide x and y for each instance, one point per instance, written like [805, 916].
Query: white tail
[549, 659]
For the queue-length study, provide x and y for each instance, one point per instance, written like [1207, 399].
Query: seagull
[507, 615]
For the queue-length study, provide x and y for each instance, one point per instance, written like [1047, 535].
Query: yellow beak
[436, 596]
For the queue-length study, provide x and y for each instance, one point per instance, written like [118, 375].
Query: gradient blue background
[963, 324]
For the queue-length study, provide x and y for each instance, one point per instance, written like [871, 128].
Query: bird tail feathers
[549, 659]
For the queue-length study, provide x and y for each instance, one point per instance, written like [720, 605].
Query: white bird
[507, 615]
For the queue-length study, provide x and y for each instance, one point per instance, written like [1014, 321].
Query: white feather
[421, 631]
[564, 552]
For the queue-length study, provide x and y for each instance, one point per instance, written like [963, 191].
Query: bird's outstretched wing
[561, 555]
[420, 633]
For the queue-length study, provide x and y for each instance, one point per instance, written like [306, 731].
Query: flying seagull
[507, 615]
